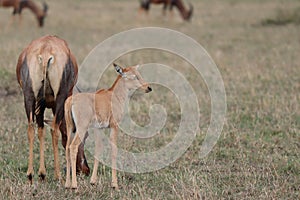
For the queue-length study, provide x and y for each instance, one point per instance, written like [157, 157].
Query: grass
[257, 154]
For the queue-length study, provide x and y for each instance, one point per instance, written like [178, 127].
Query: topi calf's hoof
[93, 180]
[93, 183]
[67, 185]
[74, 188]
[114, 186]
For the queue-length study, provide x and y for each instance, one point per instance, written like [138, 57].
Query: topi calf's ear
[119, 70]
[137, 66]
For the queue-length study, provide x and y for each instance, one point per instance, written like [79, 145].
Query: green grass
[257, 154]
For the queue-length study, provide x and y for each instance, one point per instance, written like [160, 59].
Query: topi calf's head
[133, 79]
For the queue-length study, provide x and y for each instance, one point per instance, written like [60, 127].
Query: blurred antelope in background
[185, 14]
[46, 71]
[19, 5]
[105, 110]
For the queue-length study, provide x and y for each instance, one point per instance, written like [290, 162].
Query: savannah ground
[255, 45]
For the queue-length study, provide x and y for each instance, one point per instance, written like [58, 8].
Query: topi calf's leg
[113, 139]
[68, 178]
[98, 149]
[73, 154]
[81, 163]
[94, 174]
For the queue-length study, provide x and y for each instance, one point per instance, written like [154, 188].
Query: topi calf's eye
[134, 77]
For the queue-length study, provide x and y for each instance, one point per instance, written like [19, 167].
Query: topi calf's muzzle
[149, 89]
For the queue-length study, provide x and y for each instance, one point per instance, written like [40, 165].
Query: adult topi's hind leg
[39, 111]
[29, 107]
[30, 133]
[58, 112]
[42, 169]
[55, 136]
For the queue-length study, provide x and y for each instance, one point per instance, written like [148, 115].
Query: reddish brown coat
[185, 13]
[104, 108]
[47, 72]
[19, 5]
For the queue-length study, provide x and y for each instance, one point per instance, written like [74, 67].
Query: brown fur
[46, 71]
[19, 5]
[105, 107]
[186, 14]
